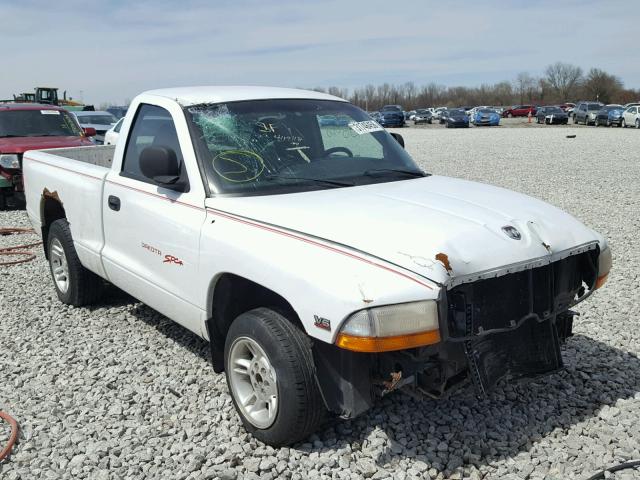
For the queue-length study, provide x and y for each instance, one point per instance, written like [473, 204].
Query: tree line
[561, 82]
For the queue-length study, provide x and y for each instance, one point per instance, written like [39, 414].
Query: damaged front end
[492, 327]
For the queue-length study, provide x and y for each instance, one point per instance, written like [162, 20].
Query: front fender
[322, 281]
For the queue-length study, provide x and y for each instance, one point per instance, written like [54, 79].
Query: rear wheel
[74, 284]
[637, 122]
[270, 373]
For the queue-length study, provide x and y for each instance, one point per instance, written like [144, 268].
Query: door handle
[114, 203]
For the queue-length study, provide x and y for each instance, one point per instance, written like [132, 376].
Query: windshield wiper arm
[411, 173]
[335, 183]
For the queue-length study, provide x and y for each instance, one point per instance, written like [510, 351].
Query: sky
[109, 51]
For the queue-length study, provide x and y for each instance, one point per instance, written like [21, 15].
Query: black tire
[623, 123]
[637, 122]
[301, 409]
[575, 120]
[85, 287]
[3, 199]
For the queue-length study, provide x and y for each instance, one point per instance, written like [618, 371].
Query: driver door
[152, 232]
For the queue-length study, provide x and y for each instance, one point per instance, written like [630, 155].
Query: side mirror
[160, 164]
[398, 138]
[89, 132]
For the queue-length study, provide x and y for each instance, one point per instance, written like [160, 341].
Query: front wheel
[270, 373]
[74, 284]
[623, 123]
[637, 122]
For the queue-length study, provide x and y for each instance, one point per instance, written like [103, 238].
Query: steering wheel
[338, 149]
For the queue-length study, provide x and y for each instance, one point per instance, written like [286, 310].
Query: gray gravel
[118, 391]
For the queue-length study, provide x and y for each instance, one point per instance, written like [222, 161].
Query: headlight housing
[391, 327]
[9, 161]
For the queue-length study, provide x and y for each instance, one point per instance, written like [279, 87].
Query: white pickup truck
[300, 239]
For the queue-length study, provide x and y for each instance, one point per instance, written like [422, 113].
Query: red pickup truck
[28, 126]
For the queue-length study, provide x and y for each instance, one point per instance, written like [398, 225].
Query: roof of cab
[28, 106]
[186, 96]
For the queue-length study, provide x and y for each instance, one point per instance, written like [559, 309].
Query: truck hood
[22, 144]
[442, 228]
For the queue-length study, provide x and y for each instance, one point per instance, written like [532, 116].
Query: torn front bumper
[511, 326]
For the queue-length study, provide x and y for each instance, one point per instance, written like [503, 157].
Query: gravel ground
[118, 391]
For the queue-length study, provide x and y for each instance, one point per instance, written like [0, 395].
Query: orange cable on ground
[18, 250]
[12, 438]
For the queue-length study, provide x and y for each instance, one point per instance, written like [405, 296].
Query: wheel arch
[51, 209]
[230, 295]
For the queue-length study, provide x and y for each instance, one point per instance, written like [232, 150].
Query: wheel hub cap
[253, 382]
[59, 266]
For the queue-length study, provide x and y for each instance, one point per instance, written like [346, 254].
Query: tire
[299, 407]
[510, 115]
[575, 120]
[83, 287]
[637, 122]
[623, 123]
[3, 200]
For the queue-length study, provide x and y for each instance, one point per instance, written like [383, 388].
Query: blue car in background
[392, 116]
[486, 116]
[609, 115]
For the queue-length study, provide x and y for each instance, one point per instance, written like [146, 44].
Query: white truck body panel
[328, 252]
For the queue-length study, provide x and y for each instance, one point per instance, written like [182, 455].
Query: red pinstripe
[253, 224]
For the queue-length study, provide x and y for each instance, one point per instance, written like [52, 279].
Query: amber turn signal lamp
[387, 344]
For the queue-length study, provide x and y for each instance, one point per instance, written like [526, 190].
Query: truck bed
[101, 155]
[75, 178]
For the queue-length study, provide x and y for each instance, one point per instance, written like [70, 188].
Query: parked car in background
[454, 118]
[111, 137]
[487, 117]
[100, 121]
[437, 112]
[117, 112]
[323, 279]
[28, 126]
[392, 116]
[552, 115]
[422, 116]
[409, 115]
[609, 115]
[567, 106]
[519, 111]
[631, 117]
[377, 116]
[585, 112]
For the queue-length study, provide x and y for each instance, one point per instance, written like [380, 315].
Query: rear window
[38, 123]
[102, 119]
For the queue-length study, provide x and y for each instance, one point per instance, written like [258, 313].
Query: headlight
[391, 327]
[9, 161]
[604, 266]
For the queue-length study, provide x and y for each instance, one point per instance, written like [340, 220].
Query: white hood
[439, 227]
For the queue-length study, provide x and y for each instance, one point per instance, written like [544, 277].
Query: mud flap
[529, 351]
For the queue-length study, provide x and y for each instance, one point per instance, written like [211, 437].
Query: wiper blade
[412, 173]
[335, 183]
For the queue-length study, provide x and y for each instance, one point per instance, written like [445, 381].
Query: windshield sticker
[367, 126]
[238, 166]
[49, 112]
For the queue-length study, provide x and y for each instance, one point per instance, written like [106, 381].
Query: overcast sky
[112, 50]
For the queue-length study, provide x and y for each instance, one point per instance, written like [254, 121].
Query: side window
[118, 125]
[633, 109]
[152, 126]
